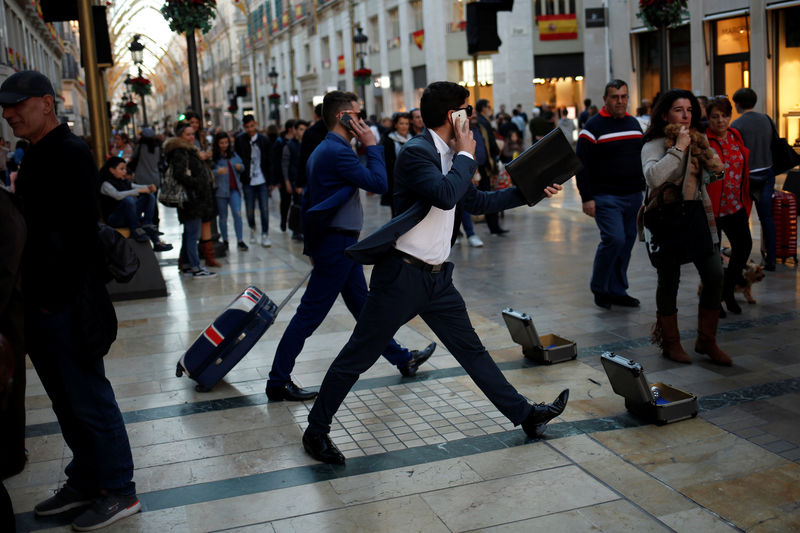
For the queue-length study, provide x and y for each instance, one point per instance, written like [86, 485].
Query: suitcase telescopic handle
[296, 288]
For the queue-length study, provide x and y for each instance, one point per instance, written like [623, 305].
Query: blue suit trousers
[334, 273]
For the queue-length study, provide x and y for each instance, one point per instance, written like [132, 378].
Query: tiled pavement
[431, 453]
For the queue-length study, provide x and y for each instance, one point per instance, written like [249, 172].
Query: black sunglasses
[468, 109]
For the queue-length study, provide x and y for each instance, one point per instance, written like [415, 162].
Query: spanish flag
[340, 64]
[419, 38]
[557, 27]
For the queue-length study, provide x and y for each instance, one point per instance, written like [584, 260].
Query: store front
[558, 80]
[731, 48]
[786, 43]
[649, 61]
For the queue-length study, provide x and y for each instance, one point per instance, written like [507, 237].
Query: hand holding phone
[458, 117]
[464, 139]
[347, 121]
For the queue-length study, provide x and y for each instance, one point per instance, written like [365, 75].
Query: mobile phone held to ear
[346, 121]
[458, 116]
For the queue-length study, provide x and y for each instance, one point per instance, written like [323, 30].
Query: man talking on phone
[333, 219]
[432, 174]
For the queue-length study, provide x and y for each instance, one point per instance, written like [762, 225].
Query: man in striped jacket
[611, 185]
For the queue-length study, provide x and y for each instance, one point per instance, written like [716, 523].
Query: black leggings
[737, 230]
[710, 270]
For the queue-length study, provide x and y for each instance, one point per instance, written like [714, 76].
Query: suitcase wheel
[178, 370]
[201, 388]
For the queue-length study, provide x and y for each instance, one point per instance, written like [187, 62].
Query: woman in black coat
[191, 172]
[392, 142]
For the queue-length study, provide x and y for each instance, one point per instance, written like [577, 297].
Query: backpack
[121, 261]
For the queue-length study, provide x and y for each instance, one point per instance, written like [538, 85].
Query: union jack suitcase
[228, 339]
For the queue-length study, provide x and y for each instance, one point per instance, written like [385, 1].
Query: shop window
[650, 61]
[787, 29]
[731, 54]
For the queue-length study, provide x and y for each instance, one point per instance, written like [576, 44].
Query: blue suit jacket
[334, 175]
[420, 185]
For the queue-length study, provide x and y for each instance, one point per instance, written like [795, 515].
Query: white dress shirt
[256, 176]
[430, 239]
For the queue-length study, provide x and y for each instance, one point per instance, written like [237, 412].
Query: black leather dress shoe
[603, 300]
[623, 300]
[417, 358]
[321, 448]
[542, 413]
[290, 392]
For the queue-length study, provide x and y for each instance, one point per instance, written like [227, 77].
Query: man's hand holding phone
[464, 140]
[359, 128]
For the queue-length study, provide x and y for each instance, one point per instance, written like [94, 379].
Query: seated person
[127, 204]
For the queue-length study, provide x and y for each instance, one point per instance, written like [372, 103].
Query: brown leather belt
[418, 263]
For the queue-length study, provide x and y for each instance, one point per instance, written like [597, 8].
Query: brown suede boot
[665, 334]
[208, 253]
[706, 343]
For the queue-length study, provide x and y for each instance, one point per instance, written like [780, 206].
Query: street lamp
[274, 100]
[137, 53]
[360, 41]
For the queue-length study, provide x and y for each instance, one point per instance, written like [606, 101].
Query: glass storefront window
[787, 32]
[650, 61]
[731, 55]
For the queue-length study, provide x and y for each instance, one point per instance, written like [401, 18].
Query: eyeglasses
[468, 109]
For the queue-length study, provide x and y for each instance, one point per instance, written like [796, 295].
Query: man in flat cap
[69, 319]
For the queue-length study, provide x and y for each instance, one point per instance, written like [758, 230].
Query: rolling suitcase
[228, 339]
[784, 211]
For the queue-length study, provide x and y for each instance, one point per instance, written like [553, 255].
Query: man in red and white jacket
[611, 185]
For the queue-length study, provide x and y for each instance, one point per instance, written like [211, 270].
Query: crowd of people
[437, 168]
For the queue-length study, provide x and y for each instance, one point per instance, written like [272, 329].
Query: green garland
[185, 15]
[662, 13]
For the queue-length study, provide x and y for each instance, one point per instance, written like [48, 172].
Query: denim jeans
[466, 222]
[762, 185]
[84, 403]
[251, 194]
[235, 203]
[133, 212]
[615, 216]
[191, 236]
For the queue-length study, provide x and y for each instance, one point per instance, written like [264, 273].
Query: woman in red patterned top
[730, 197]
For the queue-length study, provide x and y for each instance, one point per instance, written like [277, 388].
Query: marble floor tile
[405, 514]
[262, 508]
[508, 499]
[615, 516]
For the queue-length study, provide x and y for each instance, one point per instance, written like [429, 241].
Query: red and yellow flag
[340, 61]
[419, 38]
[557, 27]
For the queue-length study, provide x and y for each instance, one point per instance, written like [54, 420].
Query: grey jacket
[757, 132]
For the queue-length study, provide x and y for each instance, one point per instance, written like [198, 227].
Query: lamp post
[129, 90]
[137, 53]
[360, 41]
[273, 78]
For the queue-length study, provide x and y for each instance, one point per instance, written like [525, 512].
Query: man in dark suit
[314, 135]
[254, 149]
[433, 173]
[334, 217]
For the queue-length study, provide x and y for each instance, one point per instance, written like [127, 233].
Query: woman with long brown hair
[673, 163]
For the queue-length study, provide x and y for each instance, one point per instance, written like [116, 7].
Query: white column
[436, 16]
[386, 92]
[347, 43]
[513, 65]
[404, 12]
[598, 46]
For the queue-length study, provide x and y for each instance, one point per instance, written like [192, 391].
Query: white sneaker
[475, 241]
[458, 241]
[265, 242]
[253, 236]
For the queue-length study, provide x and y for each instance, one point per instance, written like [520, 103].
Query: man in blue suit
[333, 221]
[433, 173]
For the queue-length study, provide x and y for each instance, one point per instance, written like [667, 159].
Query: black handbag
[295, 218]
[784, 157]
[679, 230]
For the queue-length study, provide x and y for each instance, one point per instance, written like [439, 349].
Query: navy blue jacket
[420, 185]
[334, 174]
